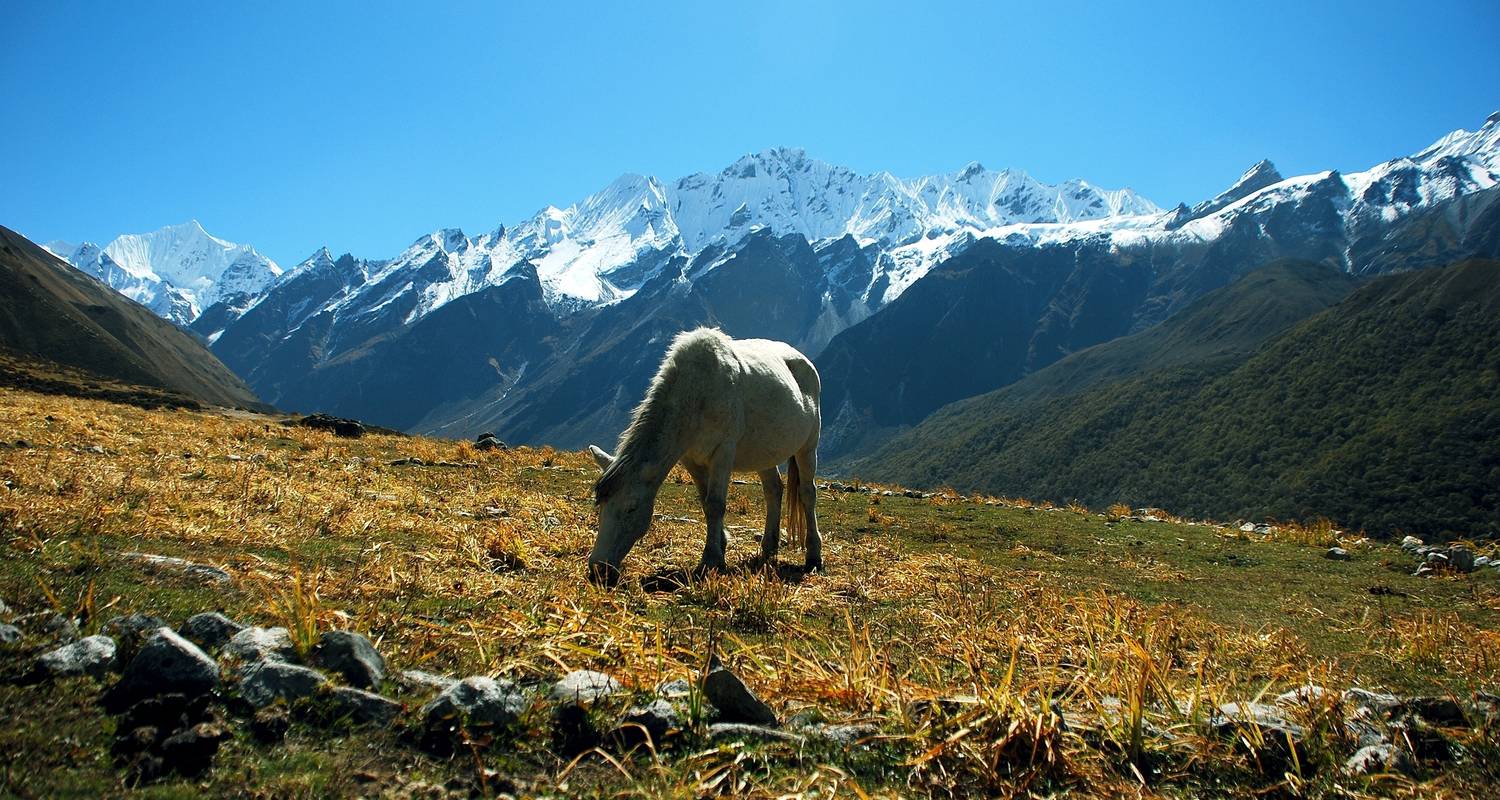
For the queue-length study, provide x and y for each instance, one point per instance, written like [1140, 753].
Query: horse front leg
[770, 541]
[714, 492]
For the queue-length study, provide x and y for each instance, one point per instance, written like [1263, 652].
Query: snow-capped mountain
[177, 271]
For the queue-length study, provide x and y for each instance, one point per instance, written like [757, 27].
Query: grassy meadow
[1002, 647]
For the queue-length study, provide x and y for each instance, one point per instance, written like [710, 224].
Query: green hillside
[1381, 413]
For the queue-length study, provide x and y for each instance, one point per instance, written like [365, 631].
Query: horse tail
[796, 512]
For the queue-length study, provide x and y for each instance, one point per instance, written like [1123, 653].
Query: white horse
[717, 405]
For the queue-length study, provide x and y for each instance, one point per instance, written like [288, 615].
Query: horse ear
[603, 459]
[607, 484]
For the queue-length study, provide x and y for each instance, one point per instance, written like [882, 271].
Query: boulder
[210, 630]
[48, 625]
[1410, 543]
[338, 426]
[361, 706]
[256, 644]
[734, 700]
[1481, 562]
[93, 655]
[166, 664]
[584, 686]
[478, 704]
[1443, 711]
[1378, 758]
[352, 656]
[1336, 554]
[265, 682]
[9, 634]
[1261, 728]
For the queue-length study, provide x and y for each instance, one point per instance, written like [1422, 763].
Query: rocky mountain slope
[1379, 412]
[52, 312]
[177, 271]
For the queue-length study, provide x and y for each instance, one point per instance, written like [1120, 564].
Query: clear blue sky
[362, 126]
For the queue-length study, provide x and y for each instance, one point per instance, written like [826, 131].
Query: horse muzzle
[604, 574]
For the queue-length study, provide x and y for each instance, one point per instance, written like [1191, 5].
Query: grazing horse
[717, 405]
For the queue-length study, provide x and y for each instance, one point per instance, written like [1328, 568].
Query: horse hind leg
[805, 465]
[770, 481]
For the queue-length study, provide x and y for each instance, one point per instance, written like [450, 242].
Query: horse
[717, 405]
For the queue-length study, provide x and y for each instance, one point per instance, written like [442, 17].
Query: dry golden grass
[476, 566]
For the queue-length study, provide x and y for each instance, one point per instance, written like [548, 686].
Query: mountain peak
[1260, 175]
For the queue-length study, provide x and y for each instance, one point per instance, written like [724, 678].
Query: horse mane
[641, 440]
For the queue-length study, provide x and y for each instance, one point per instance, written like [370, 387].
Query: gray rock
[132, 631]
[191, 569]
[1424, 569]
[166, 664]
[1461, 558]
[1444, 711]
[211, 630]
[361, 706]
[1336, 554]
[191, 751]
[1376, 703]
[9, 634]
[256, 644]
[675, 689]
[743, 732]
[476, 703]
[48, 625]
[1377, 758]
[847, 735]
[1481, 561]
[1410, 543]
[1437, 559]
[352, 656]
[584, 686]
[94, 655]
[1302, 695]
[264, 682]
[418, 680]
[734, 700]
[1231, 717]
[652, 722]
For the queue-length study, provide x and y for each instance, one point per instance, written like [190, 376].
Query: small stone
[675, 689]
[256, 644]
[1460, 558]
[1481, 561]
[1336, 554]
[191, 752]
[743, 732]
[132, 631]
[361, 706]
[210, 630]
[352, 656]
[270, 724]
[476, 704]
[1377, 758]
[48, 625]
[652, 722]
[734, 700]
[1443, 711]
[1302, 695]
[584, 686]
[848, 735]
[419, 680]
[209, 574]
[166, 664]
[9, 634]
[1410, 543]
[267, 681]
[1376, 702]
[1424, 569]
[1275, 731]
[93, 655]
